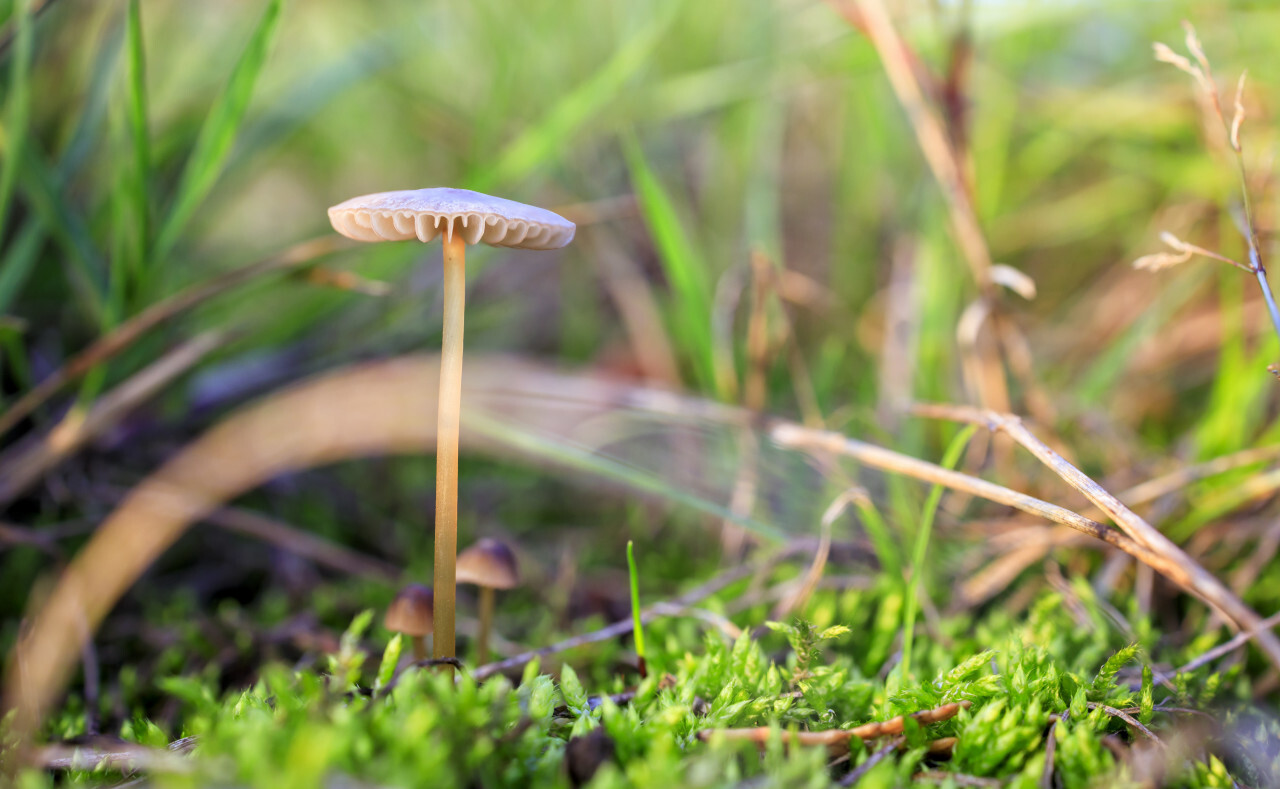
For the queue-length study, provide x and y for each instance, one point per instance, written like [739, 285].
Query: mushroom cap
[426, 213]
[488, 563]
[410, 611]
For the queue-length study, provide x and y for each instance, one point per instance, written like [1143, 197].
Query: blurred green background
[151, 146]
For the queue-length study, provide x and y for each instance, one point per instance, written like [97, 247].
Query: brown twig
[1174, 562]
[127, 333]
[837, 740]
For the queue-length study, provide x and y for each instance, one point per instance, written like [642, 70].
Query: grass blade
[543, 141]
[138, 184]
[685, 269]
[949, 461]
[19, 260]
[18, 107]
[219, 131]
[85, 268]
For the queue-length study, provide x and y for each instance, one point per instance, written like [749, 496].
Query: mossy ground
[758, 227]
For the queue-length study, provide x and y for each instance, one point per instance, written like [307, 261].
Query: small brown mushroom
[489, 564]
[459, 217]
[410, 614]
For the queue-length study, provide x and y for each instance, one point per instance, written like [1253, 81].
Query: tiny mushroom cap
[426, 213]
[488, 563]
[410, 611]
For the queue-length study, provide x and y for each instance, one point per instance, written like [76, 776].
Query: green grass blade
[85, 143]
[85, 269]
[549, 137]
[219, 131]
[18, 107]
[881, 538]
[949, 460]
[19, 260]
[685, 269]
[312, 92]
[138, 183]
[635, 601]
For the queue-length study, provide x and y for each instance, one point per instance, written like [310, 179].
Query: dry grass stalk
[376, 409]
[638, 309]
[1174, 481]
[793, 436]
[1174, 563]
[1228, 134]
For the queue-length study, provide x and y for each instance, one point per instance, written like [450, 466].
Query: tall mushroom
[460, 217]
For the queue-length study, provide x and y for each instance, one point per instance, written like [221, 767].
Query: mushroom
[410, 614]
[490, 565]
[459, 217]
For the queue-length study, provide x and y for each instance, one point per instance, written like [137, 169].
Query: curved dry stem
[1173, 562]
[448, 421]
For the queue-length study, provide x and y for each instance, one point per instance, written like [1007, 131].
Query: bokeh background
[151, 147]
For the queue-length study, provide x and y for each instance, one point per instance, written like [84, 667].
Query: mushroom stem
[420, 652]
[486, 621]
[448, 420]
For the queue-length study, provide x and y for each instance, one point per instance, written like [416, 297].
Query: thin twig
[1224, 648]
[1129, 719]
[857, 774]
[1186, 571]
[837, 740]
[872, 18]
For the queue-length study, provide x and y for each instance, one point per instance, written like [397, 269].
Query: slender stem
[949, 461]
[635, 610]
[486, 622]
[1261, 274]
[419, 648]
[1251, 240]
[448, 420]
